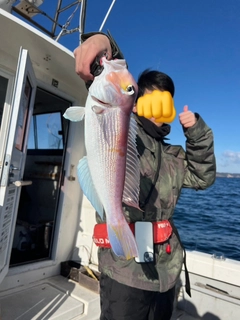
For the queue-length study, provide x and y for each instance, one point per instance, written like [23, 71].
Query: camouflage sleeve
[200, 158]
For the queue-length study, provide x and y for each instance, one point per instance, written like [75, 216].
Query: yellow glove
[158, 105]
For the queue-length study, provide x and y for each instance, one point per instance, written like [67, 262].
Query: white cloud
[231, 156]
[229, 161]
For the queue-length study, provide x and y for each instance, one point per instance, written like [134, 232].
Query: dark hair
[151, 80]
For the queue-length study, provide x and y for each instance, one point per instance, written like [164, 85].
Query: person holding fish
[140, 251]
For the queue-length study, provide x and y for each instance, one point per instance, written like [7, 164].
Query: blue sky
[197, 43]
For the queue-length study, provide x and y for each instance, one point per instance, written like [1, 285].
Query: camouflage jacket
[193, 168]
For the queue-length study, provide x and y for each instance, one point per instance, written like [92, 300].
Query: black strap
[187, 280]
[142, 206]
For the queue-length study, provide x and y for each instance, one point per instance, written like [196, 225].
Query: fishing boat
[48, 261]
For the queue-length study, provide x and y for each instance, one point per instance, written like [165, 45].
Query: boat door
[13, 139]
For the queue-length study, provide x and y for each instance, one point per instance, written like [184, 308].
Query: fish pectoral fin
[97, 109]
[74, 113]
[122, 240]
[132, 174]
[86, 183]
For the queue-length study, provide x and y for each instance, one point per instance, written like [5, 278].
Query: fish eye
[130, 88]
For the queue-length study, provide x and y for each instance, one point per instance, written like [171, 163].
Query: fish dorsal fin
[132, 175]
[74, 113]
[87, 185]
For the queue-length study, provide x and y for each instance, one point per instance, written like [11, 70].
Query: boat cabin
[40, 198]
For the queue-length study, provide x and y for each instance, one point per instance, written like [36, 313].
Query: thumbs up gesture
[187, 118]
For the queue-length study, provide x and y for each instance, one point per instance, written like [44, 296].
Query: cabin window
[3, 92]
[6, 85]
[46, 131]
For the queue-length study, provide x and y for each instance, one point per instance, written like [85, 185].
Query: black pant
[121, 302]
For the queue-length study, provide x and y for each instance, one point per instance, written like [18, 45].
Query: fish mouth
[106, 104]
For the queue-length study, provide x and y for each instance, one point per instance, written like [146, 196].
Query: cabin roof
[50, 59]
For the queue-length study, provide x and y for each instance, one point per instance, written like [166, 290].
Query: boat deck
[56, 298]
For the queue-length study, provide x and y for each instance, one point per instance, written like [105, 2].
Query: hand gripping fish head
[110, 172]
[115, 87]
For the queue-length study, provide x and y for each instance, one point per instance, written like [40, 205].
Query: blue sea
[209, 220]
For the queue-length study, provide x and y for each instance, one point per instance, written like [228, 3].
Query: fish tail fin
[122, 240]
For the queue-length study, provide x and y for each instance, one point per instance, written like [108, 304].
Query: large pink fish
[110, 172]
